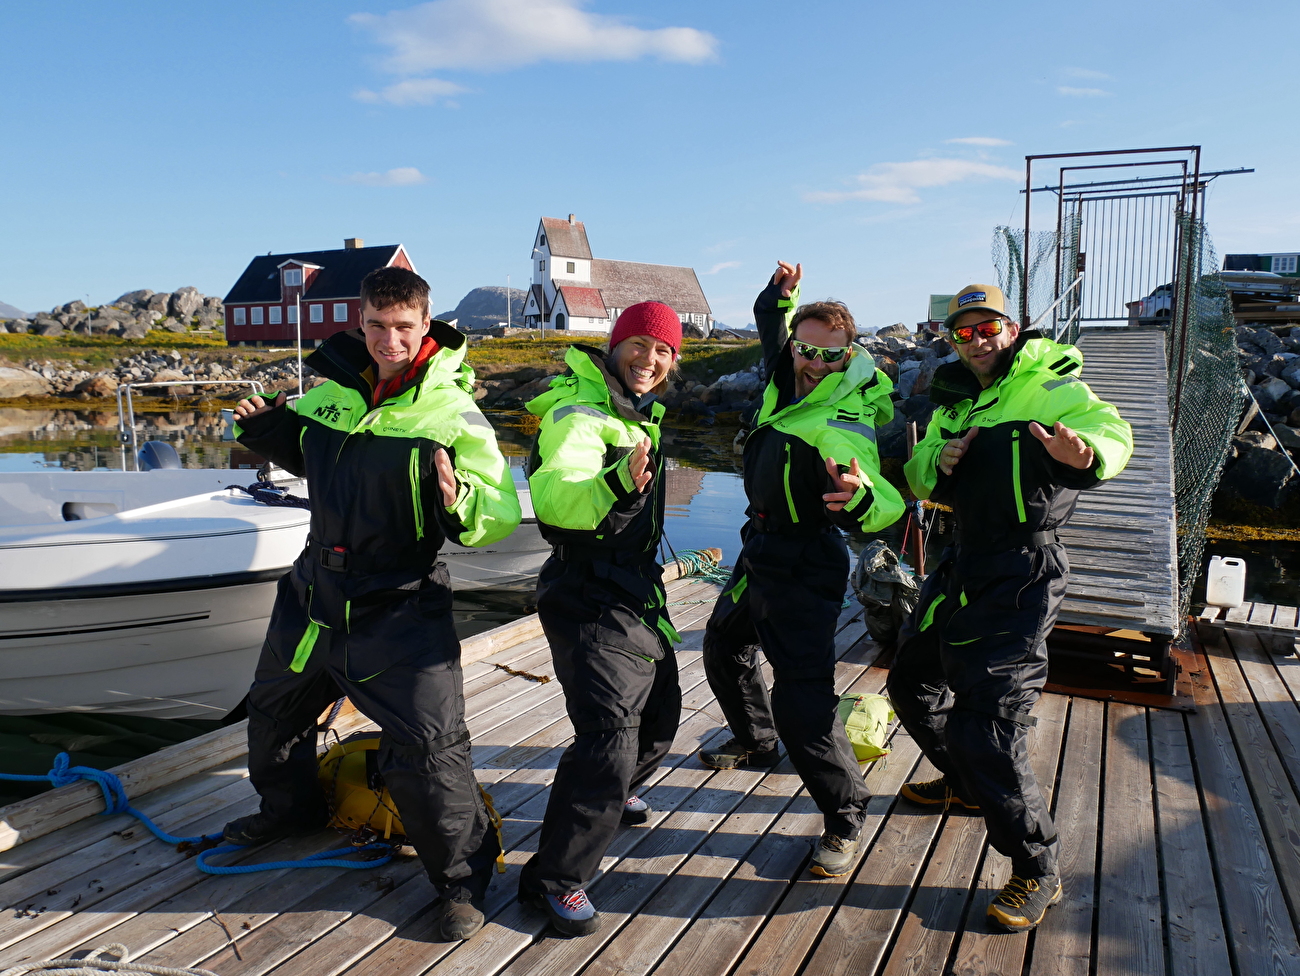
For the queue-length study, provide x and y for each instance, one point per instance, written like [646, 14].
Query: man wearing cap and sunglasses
[1015, 436]
[811, 469]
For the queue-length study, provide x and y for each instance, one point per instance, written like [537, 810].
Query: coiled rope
[96, 964]
[269, 493]
[699, 564]
[115, 801]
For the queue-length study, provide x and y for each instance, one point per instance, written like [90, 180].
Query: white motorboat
[149, 592]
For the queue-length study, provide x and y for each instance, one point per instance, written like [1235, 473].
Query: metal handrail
[1058, 332]
[1074, 284]
[122, 425]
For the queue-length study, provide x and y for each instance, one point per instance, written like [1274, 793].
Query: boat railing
[126, 432]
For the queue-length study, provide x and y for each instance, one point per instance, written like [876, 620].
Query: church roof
[566, 240]
[584, 301]
[624, 283]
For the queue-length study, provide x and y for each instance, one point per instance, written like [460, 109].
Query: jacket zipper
[416, 504]
[1015, 474]
[789, 497]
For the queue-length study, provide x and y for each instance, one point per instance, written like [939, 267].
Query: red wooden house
[261, 308]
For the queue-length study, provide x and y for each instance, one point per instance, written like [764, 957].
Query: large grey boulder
[173, 325]
[209, 318]
[133, 330]
[1259, 476]
[159, 302]
[184, 303]
[214, 301]
[693, 330]
[73, 307]
[1292, 375]
[137, 297]
[47, 327]
[1270, 392]
[19, 325]
[1288, 437]
[1267, 341]
[897, 330]
[17, 382]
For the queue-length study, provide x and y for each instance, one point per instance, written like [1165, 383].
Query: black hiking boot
[1022, 902]
[935, 793]
[261, 829]
[733, 755]
[459, 919]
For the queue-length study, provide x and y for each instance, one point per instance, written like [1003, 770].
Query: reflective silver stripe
[856, 427]
[1053, 384]
[581, 408]
[475, 419]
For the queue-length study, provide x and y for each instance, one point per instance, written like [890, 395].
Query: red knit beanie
[648, 318]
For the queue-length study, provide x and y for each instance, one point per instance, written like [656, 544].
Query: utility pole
[297, 321]
[507, 301]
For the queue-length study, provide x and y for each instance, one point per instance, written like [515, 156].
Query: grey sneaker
[635, 811]
[834, 856]
[732, 755]
[572, 914]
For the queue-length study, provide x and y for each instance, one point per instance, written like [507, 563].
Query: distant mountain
[484, 307]
[9, 312]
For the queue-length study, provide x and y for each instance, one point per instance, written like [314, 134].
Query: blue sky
[163, 144]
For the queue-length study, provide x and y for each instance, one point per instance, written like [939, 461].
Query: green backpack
[866, 721]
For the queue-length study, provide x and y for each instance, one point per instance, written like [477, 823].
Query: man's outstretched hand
[846, 484]
[955, 450]
[255, 405]
[1064, 445]
[787, 276]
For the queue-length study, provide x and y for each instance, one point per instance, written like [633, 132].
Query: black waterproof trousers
[619, 675]
[785, 596]
[971, 662]
[424, 753]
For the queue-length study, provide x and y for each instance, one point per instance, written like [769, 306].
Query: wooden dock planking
[1183, 825]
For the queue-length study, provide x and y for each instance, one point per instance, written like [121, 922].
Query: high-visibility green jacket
[786, 451]
[1007, 487]
[377, 512]
[582, 488]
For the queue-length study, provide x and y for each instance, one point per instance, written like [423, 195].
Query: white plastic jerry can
[1225, 583]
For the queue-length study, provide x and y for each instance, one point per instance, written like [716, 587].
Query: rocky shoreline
[131, 316]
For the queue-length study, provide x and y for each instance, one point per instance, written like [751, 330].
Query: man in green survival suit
[1015, 436]
[397, 458]
[810, 469]
[598, 488]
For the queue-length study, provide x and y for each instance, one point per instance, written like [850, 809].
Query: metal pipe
[1074, 284]
[256, 386]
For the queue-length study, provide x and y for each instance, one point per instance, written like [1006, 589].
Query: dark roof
[584, 301]
[539, 293]
[566, 240]
[340, 275]
[624, 283]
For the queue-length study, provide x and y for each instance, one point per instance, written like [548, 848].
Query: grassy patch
[702, 359]
[100, 351]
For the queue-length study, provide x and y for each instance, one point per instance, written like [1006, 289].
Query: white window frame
[273, 315]
[292, 317]
[255, 315]
[1284, 264]
[340, 311]
[570, 267]
[315, 313]
[293, 277]
[240, 316]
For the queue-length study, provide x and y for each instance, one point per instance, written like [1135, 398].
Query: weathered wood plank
[1129, 923]
[1197, 945]
[1262, 937]
[1063, 942]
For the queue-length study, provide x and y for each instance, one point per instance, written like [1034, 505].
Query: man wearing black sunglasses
[811, 468]
[1015, 436]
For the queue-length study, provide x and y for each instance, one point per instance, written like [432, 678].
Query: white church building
[572, 290]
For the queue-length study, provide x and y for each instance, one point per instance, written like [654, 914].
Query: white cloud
[1086, 73]
[980, 141]
[1081, 92]
[412, 91]
[723, 266]
[898, 182]
[495, 35]
[401, 176]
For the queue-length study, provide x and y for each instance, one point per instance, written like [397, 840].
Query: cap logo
[972, 296]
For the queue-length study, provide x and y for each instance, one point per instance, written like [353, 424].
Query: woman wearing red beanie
[598, 490]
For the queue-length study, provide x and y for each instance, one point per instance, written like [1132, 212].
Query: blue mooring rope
[115, 801]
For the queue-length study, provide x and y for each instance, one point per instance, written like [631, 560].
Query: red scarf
[386, 388]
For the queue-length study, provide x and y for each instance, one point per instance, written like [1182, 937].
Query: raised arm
[773, 310]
